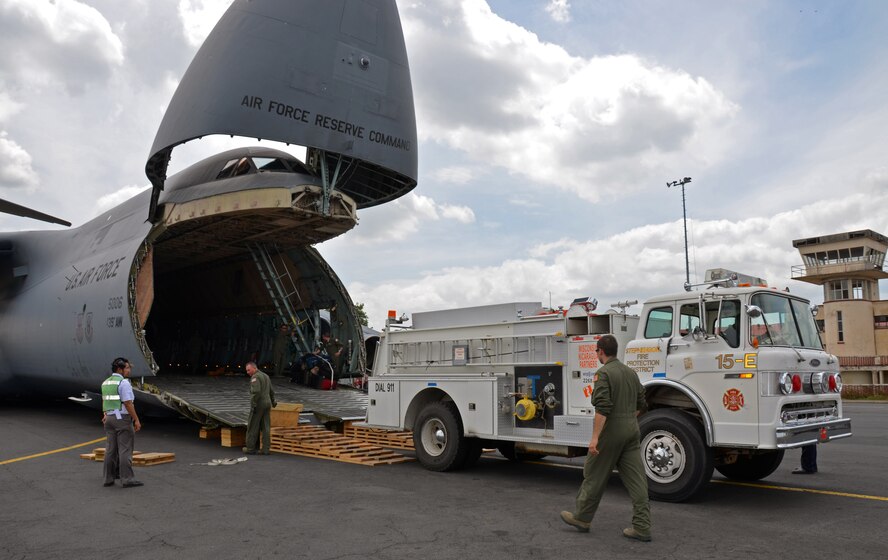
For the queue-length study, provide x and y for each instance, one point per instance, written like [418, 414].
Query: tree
[361, 314]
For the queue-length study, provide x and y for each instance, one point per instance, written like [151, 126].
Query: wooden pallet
[315, 441]
[390, 439]
[148, 459]
[140, 459]
[98, 454]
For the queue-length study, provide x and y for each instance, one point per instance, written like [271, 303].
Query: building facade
[853, 319]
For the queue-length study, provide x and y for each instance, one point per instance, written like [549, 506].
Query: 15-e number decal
[728, 361]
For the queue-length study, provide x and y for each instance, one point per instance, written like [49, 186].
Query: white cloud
[44, 42]
[109, 201]
[15, 165]
[596, 126]
[559, 10]
[638, 263]
[456, 174]
[525, 203]
[462, 214]
[8, 106]
[398, 220]
[199, 17]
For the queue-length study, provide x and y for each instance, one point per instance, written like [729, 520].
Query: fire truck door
[722, 376]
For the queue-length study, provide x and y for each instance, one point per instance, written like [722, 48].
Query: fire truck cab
[733, 376]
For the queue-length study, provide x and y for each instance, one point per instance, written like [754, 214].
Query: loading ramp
[224, 400]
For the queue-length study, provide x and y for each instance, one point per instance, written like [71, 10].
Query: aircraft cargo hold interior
[217, 315]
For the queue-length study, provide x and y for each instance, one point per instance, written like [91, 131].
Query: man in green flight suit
[261, 403]
[618, 397]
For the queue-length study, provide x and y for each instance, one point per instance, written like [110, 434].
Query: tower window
[857, 289]
[840, 329]
[838, 289]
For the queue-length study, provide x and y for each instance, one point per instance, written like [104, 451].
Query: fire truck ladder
[488, 350]
[282, 289]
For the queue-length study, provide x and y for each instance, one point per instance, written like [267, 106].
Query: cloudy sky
[548, 130]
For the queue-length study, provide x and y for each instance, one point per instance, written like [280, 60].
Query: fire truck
[734, 374]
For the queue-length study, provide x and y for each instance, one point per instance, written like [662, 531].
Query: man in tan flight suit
[618, 397]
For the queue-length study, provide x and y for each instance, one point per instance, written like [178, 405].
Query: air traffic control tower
[853, 319]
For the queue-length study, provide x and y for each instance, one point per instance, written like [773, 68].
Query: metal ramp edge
[225, 401]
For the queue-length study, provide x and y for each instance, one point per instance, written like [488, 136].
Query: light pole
[684, 214]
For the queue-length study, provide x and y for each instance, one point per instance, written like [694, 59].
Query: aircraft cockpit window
[270, 164]
[226, 171]
[297, 166]
[235, 167]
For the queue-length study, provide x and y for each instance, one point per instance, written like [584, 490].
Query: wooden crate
[234, 437]
[285, 415]
[210, 433]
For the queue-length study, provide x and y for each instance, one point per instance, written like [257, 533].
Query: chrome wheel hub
[664, 456]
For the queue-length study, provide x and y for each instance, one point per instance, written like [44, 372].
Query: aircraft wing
[19, 210]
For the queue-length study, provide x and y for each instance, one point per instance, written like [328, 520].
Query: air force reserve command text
[323, 121]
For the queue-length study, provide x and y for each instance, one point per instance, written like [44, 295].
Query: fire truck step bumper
[789, 437]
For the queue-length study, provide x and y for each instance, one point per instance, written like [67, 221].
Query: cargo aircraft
[196, 272]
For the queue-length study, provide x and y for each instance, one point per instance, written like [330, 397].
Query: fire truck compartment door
[582, 363]
[383, 408]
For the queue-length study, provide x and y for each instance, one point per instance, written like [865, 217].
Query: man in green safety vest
[121, 423]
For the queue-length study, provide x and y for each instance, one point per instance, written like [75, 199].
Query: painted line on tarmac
[8, 461]
[808, 490]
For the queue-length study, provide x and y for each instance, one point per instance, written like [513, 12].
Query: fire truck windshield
[783, 322]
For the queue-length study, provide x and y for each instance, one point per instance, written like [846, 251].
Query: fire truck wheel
[676, 459]
[753, 467]
[437, 436]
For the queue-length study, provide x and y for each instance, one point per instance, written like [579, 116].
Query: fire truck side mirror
[753, 311]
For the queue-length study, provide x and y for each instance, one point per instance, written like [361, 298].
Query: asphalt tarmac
[53, 505]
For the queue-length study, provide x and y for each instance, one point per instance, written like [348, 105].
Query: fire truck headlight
[785, 383]
[820, 382]
[835, 382]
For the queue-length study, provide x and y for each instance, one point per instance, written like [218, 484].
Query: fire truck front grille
[808, 412]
